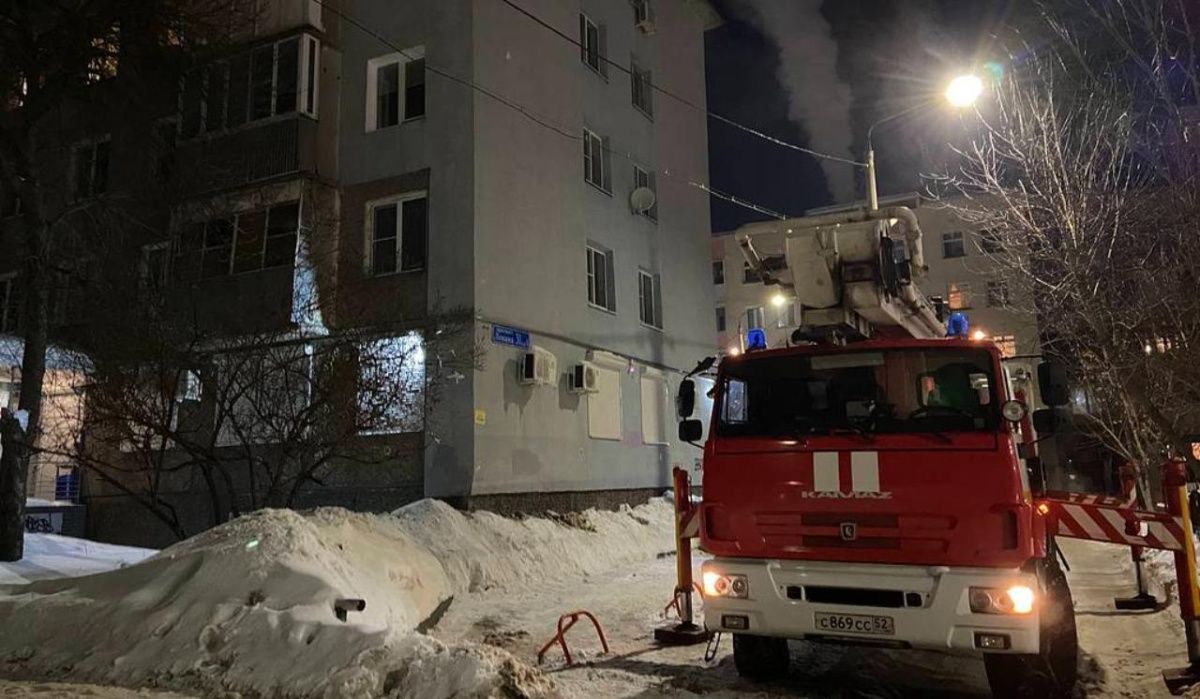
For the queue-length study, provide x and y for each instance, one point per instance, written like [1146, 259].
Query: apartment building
[959, 271]
[381, 165]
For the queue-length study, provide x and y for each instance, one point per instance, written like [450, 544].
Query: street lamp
[778, 300]
[961, 93]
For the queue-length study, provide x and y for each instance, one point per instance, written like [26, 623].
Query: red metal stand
[560, 636]
[675, 603]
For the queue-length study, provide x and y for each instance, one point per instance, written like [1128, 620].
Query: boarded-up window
[604, 406]
[654, 409]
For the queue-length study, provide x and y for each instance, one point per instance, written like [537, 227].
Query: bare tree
[1085, 176]
[52, 57]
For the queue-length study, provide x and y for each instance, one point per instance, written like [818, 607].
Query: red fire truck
[864, 484]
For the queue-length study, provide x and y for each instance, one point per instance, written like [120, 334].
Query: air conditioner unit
[584, 379]
[538, 367]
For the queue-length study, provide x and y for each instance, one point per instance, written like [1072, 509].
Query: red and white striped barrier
[1090, 517]
[689, 523]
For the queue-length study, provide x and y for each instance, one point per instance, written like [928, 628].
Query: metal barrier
[561, 638]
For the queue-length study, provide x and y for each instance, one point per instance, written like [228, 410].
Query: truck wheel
[1053, 671]
[760, 657]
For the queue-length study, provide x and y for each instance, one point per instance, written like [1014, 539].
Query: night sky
[890, 54]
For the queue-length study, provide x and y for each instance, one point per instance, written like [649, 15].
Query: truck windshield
[889, 391]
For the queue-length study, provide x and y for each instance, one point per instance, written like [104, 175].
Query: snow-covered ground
[458, 605]
[52, 556]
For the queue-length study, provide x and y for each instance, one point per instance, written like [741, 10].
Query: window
[154, 268]
[244, 242]
[654, 407]
[786, 316]
[642, 15]
[720, 319]
[90, 162]
[601, 293]
[262, 397]
[10, 304]
[952, 245]
[958, 296]
[997, 293]
[754, 317]
[645, 178]
[990, 243]
[1007, 345]
[395, 88]
[391, 385]
[591, 44]
[595, 161]
[768, 396]
[105, 55]
[650, 299]
[643, 89]
[718, 271]
[749, 276]
[397, 231]
[268, 80]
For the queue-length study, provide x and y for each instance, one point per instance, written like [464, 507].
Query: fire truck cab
[865, 485]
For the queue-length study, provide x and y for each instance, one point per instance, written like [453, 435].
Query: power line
[541, 120]
[681, 99]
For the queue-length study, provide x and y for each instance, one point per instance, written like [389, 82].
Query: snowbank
[53, 556]
[252, 606]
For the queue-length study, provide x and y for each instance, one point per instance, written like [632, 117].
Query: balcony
[260, 152]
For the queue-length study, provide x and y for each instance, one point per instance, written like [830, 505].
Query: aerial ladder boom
[853, 274]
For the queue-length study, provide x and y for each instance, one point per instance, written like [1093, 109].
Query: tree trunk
[12, 489]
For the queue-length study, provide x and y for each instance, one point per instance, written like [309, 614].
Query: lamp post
[961, 92]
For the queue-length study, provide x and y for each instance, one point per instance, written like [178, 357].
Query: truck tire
[760, 657]
[1053, 671]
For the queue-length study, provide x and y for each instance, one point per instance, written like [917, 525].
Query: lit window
[105, 55]
[391, 385]
[650, 299]
[1007, 345]
[958, 296]
[952, 245]
[397, 234]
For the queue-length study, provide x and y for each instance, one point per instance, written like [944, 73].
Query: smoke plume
[818, 100]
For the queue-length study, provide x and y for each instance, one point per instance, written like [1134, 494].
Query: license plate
[870, 625]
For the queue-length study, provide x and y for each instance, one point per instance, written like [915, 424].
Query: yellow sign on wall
[480, 417]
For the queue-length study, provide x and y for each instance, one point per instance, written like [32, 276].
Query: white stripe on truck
[864, 471]
[825, 472]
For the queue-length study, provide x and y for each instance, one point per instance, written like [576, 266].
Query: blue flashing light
[756, 339]
[957, 325]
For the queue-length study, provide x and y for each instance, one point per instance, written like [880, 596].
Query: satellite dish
[642, 199]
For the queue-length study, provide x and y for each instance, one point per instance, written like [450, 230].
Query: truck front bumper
[888, 605]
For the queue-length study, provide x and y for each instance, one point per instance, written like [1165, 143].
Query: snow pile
[254, 606]
[54, 556]
[483, 550]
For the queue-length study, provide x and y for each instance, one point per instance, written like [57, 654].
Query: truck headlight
[720, 585]
[1018, 599]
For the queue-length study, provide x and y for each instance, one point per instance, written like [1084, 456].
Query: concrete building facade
[401, 161]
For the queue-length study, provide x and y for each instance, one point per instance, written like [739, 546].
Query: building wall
[534, 215]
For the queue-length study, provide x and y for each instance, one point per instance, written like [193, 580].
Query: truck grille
[879, 531]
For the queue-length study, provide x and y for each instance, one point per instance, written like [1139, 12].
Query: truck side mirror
[691, 431]
[685, 400]
[1053, 384]
[1052, 421]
